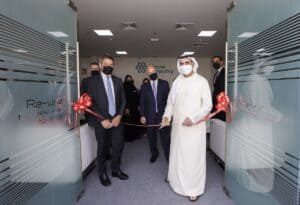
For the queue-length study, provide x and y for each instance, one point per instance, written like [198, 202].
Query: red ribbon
[222, 105]
[83, 104]
[85, 101]
[223, 102]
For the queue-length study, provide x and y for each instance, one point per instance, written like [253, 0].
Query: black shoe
[105, 181]
[153, 158]
[121, 175]
[166, 180]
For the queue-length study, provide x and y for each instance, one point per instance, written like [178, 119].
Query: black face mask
[107, 70]
[153, 76]
[145, 82]
[216, 65]
[94, 72]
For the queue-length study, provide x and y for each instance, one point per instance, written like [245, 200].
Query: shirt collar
[105, 76]
[219, 70]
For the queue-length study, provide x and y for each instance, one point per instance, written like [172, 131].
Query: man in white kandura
[188, 102]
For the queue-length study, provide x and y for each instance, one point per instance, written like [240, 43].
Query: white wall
[166, 67]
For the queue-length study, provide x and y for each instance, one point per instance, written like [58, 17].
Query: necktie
[216, 76]
[155, 94]
[111, 101]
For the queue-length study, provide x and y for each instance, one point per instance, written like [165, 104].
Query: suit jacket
[96, 89]
[147, 100]
[219, 86]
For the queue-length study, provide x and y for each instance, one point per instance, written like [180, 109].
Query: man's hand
[106, 124]
[143, 120]
[187, 122]
[116, 121]
[165, 122]
[127, 112]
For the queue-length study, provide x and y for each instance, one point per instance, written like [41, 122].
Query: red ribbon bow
[223, 102]
[83, 103]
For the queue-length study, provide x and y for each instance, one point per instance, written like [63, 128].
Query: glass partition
[39, 143]
[263, 155]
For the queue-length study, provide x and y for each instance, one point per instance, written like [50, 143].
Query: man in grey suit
[108, 100]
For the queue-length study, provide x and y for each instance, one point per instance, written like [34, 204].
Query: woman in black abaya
[131, 114]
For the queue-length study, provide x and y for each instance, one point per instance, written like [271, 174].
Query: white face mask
[186, 69]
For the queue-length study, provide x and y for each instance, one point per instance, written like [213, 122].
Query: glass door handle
[236, 65]
[78, 69]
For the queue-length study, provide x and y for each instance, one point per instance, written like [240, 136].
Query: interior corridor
[146, 184]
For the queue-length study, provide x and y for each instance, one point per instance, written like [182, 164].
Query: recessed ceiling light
[207, 33]
[247, 34]
[121, 52]
[103, 32]
[57, 33]
[154, 39]
[188, 53]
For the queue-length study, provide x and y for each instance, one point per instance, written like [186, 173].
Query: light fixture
[207, 33]
[154, 39]
[121, 52]
[103, 32]
[247, 35]
[129, 26]
[187, 53]
[58, 34]
[184, 26]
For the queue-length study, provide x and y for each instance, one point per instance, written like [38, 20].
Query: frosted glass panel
[263, 156]
[39, 144]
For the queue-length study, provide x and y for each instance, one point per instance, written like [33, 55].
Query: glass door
[263, 82]
[39, 144]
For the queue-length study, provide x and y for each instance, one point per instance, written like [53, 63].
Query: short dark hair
[220, 58]
[107, 57]
[145, 79]
[94, 63]
[128, 76]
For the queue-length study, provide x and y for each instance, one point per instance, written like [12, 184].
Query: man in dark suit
[218, 83]
[153, 100]
[92, 70]
[108, 100]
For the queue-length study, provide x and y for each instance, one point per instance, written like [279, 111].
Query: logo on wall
[142, 66]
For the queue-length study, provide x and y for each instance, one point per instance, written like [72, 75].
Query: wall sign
[142, 66]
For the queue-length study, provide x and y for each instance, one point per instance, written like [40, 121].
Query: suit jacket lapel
[158, 90]
[115, 88]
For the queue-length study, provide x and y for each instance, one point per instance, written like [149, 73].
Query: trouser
[164, 138]
[104, 137]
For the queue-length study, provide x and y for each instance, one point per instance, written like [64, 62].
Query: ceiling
[155, 18]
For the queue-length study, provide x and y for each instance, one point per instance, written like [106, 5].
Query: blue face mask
[186, 69]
